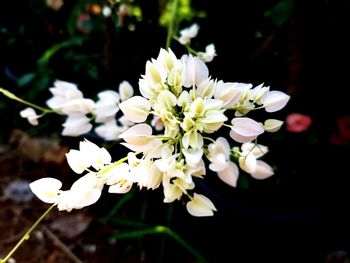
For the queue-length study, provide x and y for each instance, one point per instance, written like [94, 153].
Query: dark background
[298, 215]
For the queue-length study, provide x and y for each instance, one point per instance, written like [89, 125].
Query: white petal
[275, 100]
[193, 156]
[272, 125]
[245, 129]
[200, 205]
[120, 188]
[85, 183]
[230, 174]
[263, 170]
[126, 91]
[76, 125]
[239, 138]
[46, 189]
[77, 162]
[248, 163]
[136, 108]
[196, 71]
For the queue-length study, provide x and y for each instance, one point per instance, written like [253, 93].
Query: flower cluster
[68, 100]
[186, 108]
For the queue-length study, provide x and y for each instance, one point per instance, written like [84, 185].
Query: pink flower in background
[297, 122]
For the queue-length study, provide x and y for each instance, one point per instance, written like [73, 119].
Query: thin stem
[14, 97]
[209, 139]
[171, 24]
[27, 234]
[161, 230]
[111, 166]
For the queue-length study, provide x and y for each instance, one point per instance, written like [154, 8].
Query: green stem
[111, 166]
[161, 230]
[118, 205]
[14, 97]
[27, 234]
[171, 24]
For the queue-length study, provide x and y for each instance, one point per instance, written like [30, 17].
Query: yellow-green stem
[27, 234]
[171, 24]
[14, 97]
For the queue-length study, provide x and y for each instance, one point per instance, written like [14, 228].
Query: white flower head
[63, 92]
[188, 33]
[89, 154]
[30, 115]
[209, 53]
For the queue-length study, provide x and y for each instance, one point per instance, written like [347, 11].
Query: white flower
[157, 123]
[89, 154]
[168, 60]
[139, 138]
[262, 171]
[76, 125]
[30, 115]
[230, 92]
[206, 88]
[272, 125]
[195, 71]
[200, 205]
[258, 150]
[84, 192]
[219, 156]
[248, 161]
[63, 92]
[274, 100]
[78, 161]
[98, 156]
[209, 53]
[230, 174]
[193, 157]
[46, 189]
[107, 106]
[126, 91]
[109, 131]
[245, 129]
[77, 106]
[136, 108]
[188, 33]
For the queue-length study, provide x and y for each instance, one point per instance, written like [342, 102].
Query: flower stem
[27, 234]
[171, 24]
[14, 97]
[156, 230]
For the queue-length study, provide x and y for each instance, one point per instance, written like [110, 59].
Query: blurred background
[299, 47]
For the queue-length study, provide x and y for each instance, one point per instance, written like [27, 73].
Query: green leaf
[26, 79]
[281, 12]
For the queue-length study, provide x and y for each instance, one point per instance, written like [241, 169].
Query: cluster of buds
[173, 138]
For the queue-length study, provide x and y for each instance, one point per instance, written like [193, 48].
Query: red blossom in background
[297, 122]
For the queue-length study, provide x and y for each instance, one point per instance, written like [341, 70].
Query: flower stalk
[27, 234]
